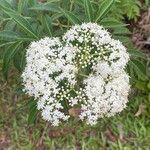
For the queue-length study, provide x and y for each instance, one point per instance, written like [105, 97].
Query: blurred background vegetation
[24, 21]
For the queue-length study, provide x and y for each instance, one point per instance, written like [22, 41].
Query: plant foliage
[24, 21]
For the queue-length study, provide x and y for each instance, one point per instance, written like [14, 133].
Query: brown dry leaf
[146, 27]
[122, 137]
[140, 36]
[121, 132]
[41, 146]
[74, 112]
[78, 145]
[4, 141]
[68, 130]
[140, 110]
[61, 132]
[55, 133]
[110, 135]
[87, 134]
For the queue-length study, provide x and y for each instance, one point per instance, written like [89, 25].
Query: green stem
[83, 75]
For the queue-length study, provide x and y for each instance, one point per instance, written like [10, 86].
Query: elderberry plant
[86, 69]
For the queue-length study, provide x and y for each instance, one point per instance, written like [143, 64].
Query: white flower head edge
[87, 71]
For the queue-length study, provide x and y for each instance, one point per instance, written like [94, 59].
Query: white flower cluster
[46, 69]
[86, 71]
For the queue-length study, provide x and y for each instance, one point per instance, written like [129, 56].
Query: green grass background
[121, 132]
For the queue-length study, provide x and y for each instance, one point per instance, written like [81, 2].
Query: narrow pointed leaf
[121, 31]
[138, 69]
[124, 39]
[51, 1]
[10, 35]
[88, 10]
[104, 8]
[19, 60]
[21, 5]
[47, 24]
[71, 17]
[23, 23]
[136, 54]
[8, 57]
[79, 2]
[32, 2]
[46, 7]
[7, 43]
[5, 4]
[32, 111]
[56, 16]
[111, 23]
[32, 115]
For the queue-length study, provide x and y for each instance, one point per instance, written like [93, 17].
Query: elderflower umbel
[86, 71]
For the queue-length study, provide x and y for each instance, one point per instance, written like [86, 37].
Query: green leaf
[138, 68]
[7, 43]
[32, 2]
[23, 23]
[59, 32]
[124, 39]
[5, 4]
[148, 85]
[21, 5]
[10, 25]
[88, 10]
[65, 4]
[19, 60]
[79, 2]
[136, 54]
[121, 31]
[104, 8]
[56, 16]
[131, 73]
[8, 57]
[47, 24]
[111, 23]
[32, 115]
[16, 61]
[49, 6]
[71, 17]
[31, 103]
[10, 35]
[141, 85]
[51, 1]
[32, 111]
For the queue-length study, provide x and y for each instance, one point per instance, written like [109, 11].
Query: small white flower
[87, 70]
